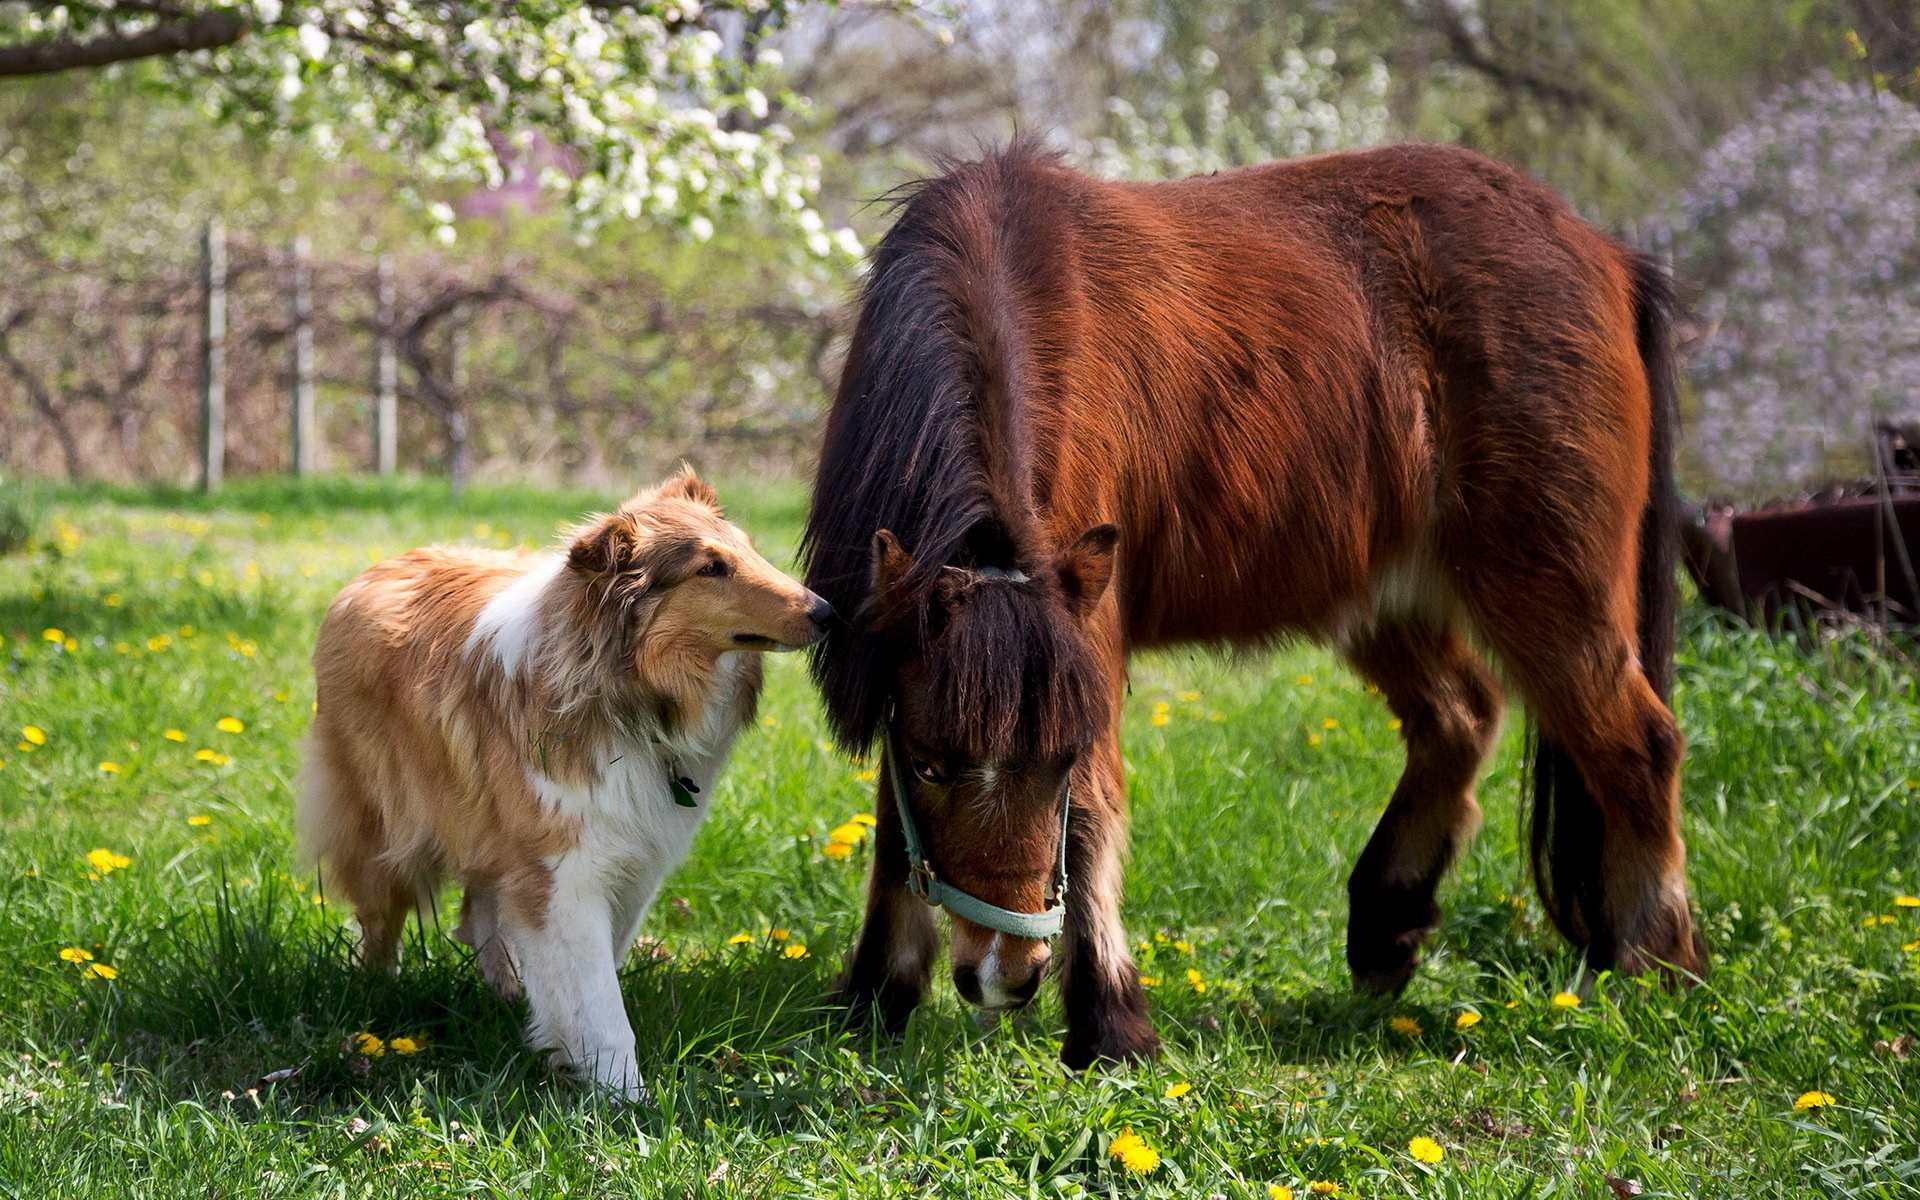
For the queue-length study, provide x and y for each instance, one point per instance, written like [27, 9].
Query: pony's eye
[931, 772]
[714, 570]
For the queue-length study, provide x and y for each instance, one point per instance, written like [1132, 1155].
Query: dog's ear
[1086, 568]
[889, 603]
[685, 485]
[610, 544]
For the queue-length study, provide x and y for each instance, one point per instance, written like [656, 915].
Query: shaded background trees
[593, 278]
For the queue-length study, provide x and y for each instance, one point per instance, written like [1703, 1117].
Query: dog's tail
[1566, 826]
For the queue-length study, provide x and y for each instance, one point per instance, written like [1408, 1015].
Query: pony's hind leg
[1449, 709]
[1607, 853]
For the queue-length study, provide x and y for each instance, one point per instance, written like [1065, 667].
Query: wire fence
[262, 359]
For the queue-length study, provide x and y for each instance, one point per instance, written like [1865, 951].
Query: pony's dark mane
[926, 439]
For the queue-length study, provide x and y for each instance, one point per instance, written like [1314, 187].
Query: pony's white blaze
[517, 721]
[992, 995]
[511, 620]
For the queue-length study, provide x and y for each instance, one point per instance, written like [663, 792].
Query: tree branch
[205, 32]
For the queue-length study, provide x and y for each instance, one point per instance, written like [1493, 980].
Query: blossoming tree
[1802, 232]
[652, 118]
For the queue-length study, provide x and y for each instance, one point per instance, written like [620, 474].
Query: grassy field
[177, 1012]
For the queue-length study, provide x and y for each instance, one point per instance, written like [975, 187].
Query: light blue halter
[927, 885]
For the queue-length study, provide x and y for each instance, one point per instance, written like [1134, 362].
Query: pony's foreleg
[892, 962]
[1449, 708]
[1106, 1009]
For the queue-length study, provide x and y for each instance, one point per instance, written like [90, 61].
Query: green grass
[1803, 824]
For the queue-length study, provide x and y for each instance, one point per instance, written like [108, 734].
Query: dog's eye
[714, 570]
[931, 772]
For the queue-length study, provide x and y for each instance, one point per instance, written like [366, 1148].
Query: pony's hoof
[885, 1008]
[1133, 1043]
[1673, 949]
[1383, 965]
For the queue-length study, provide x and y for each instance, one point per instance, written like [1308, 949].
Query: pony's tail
[1566, 826]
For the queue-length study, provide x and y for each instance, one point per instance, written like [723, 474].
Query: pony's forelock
[1008, 675]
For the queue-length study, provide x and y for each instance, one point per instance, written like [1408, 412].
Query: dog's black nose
[820, 612]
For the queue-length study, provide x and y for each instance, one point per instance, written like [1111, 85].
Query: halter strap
[926, 884]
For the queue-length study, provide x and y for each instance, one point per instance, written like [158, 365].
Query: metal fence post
[386, 375]
[213, 355]
[304, 425]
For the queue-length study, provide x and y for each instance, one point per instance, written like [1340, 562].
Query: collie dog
[545, 729]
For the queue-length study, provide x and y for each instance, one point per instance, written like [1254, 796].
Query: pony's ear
[891, 565]
[685, 485]
[610, 544]
[1086, 568]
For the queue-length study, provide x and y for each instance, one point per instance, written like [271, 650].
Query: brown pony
[1402, 400]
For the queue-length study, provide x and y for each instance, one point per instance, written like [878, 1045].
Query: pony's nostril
[1022, 994]
[820, 612]
[966, 981]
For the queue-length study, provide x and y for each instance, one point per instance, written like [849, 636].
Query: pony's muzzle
[1006, 976]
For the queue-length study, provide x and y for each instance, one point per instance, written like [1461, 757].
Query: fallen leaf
[1624, 1188]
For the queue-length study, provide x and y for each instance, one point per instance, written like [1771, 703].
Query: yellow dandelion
[1466, 1020]
[864, 819]
[1195, 981]
[404, 1045]
[1426, 1150]
[1811, 1100]
[174, 735]
[1313, 739]
[740, 939]
[1302, 680]
[1323, 1187]
[75, 954]
[103, 860]
[1176, 1090]
[199, 819]
[157, 644]
[1910, 947]
[852, 833]
[1149, 981]
[101, 971]
[281, 696]
[1907, 901]
[1184, 947]
[1406, 1025]
[34, 735]
[229, 725]
[110, 768]
[70, 645]
[1278, 1191]
[868, 775]
[836, 850]
[1329, 723]
[1133, 1152]
[1159, 718]
[52, 635]
[368, 1045]
[1394, 724]
[1565, 1000]
[1216, 715]
[1161, 706]
[795, 951]
[778, 935]
[1190, 697]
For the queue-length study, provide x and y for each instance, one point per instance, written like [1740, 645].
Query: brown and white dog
[545, 729]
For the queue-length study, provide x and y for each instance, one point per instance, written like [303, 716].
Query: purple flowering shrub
[1801, 234]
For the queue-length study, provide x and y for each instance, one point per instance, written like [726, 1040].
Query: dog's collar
[923, 882]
